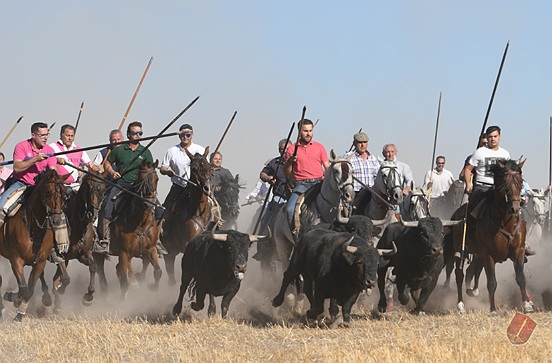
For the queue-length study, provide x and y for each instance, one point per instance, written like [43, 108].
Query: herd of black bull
[336, 261]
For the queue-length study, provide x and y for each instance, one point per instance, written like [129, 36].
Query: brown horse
[190, 213]
[497, 235]
[27, 238]
[134, 230]
[82, 210]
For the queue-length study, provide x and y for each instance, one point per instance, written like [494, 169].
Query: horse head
[200, 170]
[340, 173]
[508, 184]
[415, 206]
[389, 182]
[228, 197]
[90, 196]
[51, 193]
[146, 183]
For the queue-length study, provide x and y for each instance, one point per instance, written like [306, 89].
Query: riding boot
[398, 216]
[103, 243]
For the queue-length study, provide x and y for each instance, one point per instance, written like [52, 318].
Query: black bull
[335, 266]
[214, 264]
[417, 263]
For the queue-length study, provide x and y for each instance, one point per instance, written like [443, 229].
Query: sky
[375, 65]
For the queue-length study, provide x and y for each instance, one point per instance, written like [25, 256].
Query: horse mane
[200, 169]
[500, 172]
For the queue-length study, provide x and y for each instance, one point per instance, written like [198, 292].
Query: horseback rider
[123, 156]
[390, 154]
[218, 172]
[365, 164]
[481, 161]
[78, 158]
[115, 136]
[273, 173]
[176, 165]
[307, 165]
[30, 158]
[441, 180]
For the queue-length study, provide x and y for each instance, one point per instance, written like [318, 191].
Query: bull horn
[409, 223]
[349, 248]
[257, 238]
[379, 222]
[387, 252]
[449, 223]
[218, 236]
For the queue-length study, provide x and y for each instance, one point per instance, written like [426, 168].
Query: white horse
[535, 213]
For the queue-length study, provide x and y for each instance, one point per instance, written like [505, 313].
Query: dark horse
[190, 213]
[81, 211]
[28, 237]
[134, 230]
[444, 206]
[497, 235]
[228, 199]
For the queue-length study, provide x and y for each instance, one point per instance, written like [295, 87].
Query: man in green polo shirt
[123, 156]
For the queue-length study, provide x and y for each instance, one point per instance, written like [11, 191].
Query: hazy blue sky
[376, 65]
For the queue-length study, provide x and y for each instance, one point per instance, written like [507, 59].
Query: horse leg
[448, 272]
[459, 272]
[473, 272]
[491, 281]
[26, 291]
[528, 306]
[122, 273]
[142, 274]
[212, 310]
[64, 278]
[99, 259]
[92, 268]
[382, 304]
[2, 310]
[153, 257]
[169, 266]
[19, 273]
[56, 283]
[46, 297]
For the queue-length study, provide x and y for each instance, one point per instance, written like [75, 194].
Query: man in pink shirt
[78, 158]
[307, 167]
[30, 158]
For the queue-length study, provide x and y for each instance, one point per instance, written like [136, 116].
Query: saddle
[15, 201]
[307, 198]
[480, 206]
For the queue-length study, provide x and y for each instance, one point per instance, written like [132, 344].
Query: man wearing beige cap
[365, 164]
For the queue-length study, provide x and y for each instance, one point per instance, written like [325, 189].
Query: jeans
[300, 188]
[4, 197]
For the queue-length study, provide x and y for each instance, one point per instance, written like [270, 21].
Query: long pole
[493, 94]
[225, 131]
[299, 133]
[272, 185]
[135, 94]
[158, 135]
[11, 130]
[78, 117]
[550, 179]
[433, 155]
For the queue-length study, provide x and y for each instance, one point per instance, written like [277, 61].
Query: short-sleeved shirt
[280, 189]
[123, 155]
[310, 160]
[364, 170]
[441, 182]
[25, 150]
[178, 161]
[482, 159]
[78, 158]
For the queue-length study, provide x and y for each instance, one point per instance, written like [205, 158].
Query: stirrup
[101, 246]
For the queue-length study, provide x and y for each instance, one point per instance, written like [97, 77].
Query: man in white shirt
[439, 179]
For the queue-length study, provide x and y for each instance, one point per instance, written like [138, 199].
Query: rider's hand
[116, 175]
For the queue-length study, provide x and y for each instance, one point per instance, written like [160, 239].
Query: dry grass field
[140, 329]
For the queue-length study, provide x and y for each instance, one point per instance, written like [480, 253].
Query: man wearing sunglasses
[176, 165]
[439, 179]
[123, 157]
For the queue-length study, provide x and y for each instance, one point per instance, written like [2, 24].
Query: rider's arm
[467, 174]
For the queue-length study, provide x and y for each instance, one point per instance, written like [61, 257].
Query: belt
[309, 180]
[484, 184]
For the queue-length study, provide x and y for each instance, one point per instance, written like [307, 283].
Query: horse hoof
[87, 300]
[57, 311]
[8, 296]
[461, 308]
[46, 300]
[153, 287]
[290, 300]
[140, 276]
[494, 313]
[211, 312]
[418, 312]
[134, 285]
[18, 318]
[472, 292]
[528, 307]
